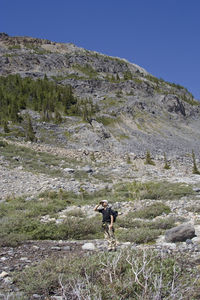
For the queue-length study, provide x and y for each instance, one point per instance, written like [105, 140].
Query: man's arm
[97, 206]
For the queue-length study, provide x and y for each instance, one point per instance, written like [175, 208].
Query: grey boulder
[87, 169]
[69, 170]
[88, 246]
[180, 233]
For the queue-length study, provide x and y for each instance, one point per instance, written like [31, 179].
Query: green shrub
[157, 190]
[189, 99]
[151, 211]
[139, 235]
[87, 70]
[128, 75]
[11, 240]
[82, 229]
[37, 162]
[137, 80]
[3, 144]
[22, 218]
[106, 121]
[76, 213]
[47, 278]
[153, 79]
[129, 274]
[14, 47]
[131, 223]
[163, 224]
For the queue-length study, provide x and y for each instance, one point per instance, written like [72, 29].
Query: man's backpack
[114, 213]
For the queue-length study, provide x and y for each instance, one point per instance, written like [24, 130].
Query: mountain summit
[83, 99]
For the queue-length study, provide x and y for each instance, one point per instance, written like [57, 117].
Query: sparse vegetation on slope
[155, 190]
[128, 274]
[21, 218]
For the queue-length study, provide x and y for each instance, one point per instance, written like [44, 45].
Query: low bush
[3, 144]
[88, 228]
[21, 218]
[78, 213]
[37, 162]
[24, 228]
[128, 274]
[139, 235]
[164, 224]
[129, 222]
[195, 209]
[106, 121]
[11, 240]
[157, 190]
[86, 69]
[151, 211]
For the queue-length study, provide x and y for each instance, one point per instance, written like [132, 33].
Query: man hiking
[107, 220]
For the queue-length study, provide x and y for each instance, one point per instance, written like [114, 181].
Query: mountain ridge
[135, 111]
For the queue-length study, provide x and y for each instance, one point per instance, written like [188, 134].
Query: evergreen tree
[58, 117]
[149, 160]
[14, 110]
[128, 159]
[195, 169]
[117, 77]
[119, 93]
[30, 134]
[42, 95]
[167, 165]
[113, 78]
[5, 127]
[22, 102]
[128, 75]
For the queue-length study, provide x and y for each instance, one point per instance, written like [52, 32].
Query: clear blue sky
[162, 36]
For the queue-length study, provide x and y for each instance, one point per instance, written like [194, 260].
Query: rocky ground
[17, 181]
[96, 171]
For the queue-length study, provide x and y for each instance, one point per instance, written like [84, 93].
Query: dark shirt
[106, 214]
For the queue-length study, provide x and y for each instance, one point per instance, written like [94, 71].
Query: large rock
[87, 169]
[88, 246]
[69, 170]
[3, 274]
[180, 233]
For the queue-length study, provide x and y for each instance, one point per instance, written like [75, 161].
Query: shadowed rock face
[143, 111]
[174, 104]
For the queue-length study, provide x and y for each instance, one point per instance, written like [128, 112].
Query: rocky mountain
[75, 128]
[135, 111]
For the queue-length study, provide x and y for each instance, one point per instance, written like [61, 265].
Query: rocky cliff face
[136, 111]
